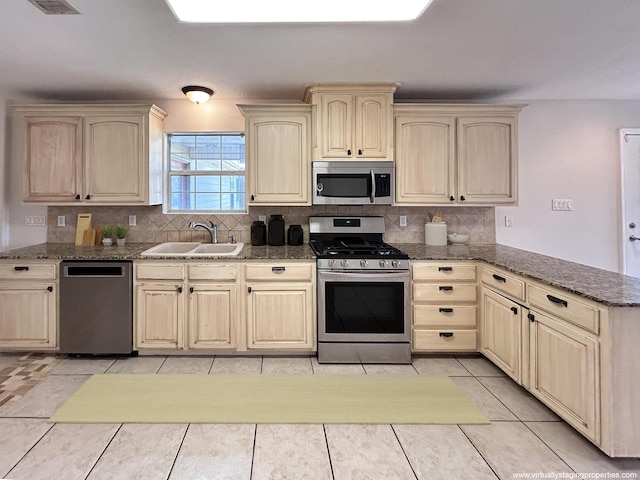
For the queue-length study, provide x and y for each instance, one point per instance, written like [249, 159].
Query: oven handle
[373, 186]
[387, 275]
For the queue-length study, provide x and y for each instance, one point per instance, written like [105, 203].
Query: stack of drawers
[444, 307]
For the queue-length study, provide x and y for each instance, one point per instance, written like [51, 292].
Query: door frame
[623, 233]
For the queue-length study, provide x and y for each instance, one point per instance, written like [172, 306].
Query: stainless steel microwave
[353, 183]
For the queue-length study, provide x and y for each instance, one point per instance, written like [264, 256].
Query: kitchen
[556, 139]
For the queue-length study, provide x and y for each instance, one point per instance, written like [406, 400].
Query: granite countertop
[603, 286]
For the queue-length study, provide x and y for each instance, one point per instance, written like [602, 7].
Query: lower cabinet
[160, 315]
[28, 306]
[212, 316]
[564, 372]
[501, 331]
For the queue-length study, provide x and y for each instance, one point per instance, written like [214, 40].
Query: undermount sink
[193, 249]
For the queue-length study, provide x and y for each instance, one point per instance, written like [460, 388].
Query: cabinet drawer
[212, 272]
[431, 316]
[279, 271]
[28, 271]
[444, 272]
[504, 283]
[444, 292]
[565, 306]
[159, 272]
[445, 340]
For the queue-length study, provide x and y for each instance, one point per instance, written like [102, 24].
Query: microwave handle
[372, 198]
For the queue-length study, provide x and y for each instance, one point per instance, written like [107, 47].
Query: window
[206, 172]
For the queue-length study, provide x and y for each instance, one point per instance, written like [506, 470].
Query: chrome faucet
[213, 230]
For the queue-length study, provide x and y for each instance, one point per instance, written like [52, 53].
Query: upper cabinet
[456, 154]
[278, 142]
[98, 154]
[352, 121]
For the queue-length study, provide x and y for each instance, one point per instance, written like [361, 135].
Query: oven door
[364, 306]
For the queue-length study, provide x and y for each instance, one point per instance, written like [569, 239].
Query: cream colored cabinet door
[280, 316]
[372, 125]
[501, 332]
[425, 160]
[28, 316]
[212, 316]
[565, 372]
[52, 151]
[336, 119]
[278, 155]
[115, 159]
[160, 313]
[486, 160]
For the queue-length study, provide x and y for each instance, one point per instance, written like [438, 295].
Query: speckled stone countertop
[603, 286]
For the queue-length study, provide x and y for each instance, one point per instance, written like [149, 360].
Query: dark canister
[276, 230]
[258, 233]
[294, 235]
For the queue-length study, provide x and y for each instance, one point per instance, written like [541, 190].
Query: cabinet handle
[499, 278]
[253, 197]
[446, 288]
[452, 198]
[445, 310]
[557, 300]
[514, 310]
[349, 152]
[462, 199]
[179, 289]
[248, 289]
[359, 151]
[50, 288]
[20, 268]
[446, 334]
[78, 197]
[190, 289]
[278, 269]
[445, 269]
[531, 317]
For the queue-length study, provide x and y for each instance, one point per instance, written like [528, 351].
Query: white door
[630, 211]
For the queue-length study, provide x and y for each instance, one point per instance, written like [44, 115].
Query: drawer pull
[514, 310]
[179, 289]
[499, 278]
[445, 269]
[445, 310]
[557, 300]
[50, 288]
[531, 317]
[278, 269]
[446, 288]
[446, 334]
[190, 289]
[21, 269]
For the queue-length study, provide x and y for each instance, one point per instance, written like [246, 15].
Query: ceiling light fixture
[289, 11]
[197, 94]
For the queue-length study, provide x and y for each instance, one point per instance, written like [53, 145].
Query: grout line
[478, 450]
[326, 442]
[548, 446]
[103, 451]
[404, 452]
[253, 451]
[161, 365]
[29, 449]
[175, 459]
[213, 359]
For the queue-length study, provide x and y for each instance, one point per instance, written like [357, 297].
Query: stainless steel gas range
[363, 292]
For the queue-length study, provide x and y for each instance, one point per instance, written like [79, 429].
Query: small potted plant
[107, 234]
[121, 234]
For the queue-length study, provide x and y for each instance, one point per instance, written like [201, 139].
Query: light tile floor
[524, 436]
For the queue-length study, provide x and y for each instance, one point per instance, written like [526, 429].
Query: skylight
[296, 11]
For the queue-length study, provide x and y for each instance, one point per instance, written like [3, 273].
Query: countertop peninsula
[609, 288]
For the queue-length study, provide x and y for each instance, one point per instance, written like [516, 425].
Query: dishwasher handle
[93, 271]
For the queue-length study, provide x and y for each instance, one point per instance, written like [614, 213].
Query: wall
[569, 149]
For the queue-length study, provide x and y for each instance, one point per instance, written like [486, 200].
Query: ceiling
[474, 50]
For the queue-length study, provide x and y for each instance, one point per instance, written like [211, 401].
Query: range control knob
[364, 263]
[332, 262]
[383, 263]
[395, 263]
[344, 263]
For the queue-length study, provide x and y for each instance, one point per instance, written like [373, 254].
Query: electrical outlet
[262, 218]
[61, 221]
[132, 220]
[403, 220]
[562, 204]
[508, 221]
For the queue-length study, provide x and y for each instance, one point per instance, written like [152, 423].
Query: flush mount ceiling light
[296, 11]
[197, 94]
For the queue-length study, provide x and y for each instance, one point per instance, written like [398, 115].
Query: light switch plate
[61, 221]
[35, 220]
[262, 218]
[508, 221]
[403, 220]
[132, 220]
[562, 204]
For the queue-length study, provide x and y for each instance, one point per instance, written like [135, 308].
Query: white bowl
[456, 239]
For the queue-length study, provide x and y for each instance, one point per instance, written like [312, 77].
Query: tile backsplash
[157, 227]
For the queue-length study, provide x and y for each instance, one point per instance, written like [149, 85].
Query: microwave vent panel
[55, 7]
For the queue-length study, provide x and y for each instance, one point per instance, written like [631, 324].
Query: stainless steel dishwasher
[96, 307]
